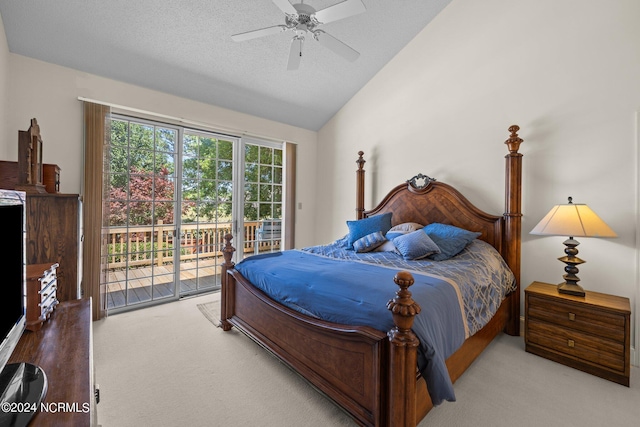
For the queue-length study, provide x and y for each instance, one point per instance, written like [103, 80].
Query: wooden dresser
[63, 348]
[590, 333]
[53, 235]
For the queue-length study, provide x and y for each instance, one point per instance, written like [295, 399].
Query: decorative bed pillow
[415, 245]
[393, 234]
[407, 227]
[362, 227]
[450, 239]
[369, 242]
[387, 246]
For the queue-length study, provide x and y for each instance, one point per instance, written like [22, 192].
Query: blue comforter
[458, 296]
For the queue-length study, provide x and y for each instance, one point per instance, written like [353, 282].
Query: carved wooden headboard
[425, 200]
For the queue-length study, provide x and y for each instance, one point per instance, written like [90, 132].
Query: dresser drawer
[601, 351]
[42, 294]
[596, 321]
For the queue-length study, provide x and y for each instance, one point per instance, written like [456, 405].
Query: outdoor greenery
[142, 175]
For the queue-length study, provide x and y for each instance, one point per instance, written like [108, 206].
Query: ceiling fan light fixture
[302, 18]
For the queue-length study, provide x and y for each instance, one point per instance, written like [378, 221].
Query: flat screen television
[22, 385]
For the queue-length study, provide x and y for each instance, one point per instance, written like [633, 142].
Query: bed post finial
[403, 354]
[403, 307]
[228, 250]
[360, 186]
[514, 141]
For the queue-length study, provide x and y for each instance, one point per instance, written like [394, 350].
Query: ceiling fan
[303, 19]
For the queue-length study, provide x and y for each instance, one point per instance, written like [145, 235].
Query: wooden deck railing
[143, 246]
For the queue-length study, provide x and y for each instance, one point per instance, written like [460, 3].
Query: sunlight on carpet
[211, 311]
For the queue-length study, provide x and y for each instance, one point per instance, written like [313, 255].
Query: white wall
[4, 98]
[568, 75]
[50, 93]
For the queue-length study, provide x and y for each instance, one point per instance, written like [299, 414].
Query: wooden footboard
[369, 373]
[344, 362]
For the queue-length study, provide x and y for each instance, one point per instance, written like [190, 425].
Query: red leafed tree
[150, 199]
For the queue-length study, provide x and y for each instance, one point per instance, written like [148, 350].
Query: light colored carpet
[211, 311]
[168, 366]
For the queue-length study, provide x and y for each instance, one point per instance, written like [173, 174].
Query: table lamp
[573, 220]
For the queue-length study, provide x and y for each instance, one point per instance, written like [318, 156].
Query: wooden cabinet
[63, 349]
[9, 176]
[590, 333]
[41, 294]
[53, 237]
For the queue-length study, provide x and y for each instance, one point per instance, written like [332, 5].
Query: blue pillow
[450, 239]
[415, 245]
[369, 242]
[393, 234]
[362, 227]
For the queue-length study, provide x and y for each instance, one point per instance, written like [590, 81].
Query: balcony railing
[144, 246]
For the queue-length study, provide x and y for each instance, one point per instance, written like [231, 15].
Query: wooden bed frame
[371, 374]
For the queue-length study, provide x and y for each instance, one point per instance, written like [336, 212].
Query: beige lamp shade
[575, 220]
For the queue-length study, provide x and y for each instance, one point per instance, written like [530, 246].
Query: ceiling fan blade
[286, 7]
[335, 45]
[258, 33]
[295, 54]
[340, 11]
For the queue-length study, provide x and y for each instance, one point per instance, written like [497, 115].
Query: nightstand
[589, 333]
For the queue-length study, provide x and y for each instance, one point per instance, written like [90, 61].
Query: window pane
[266, 173]
[266, 193]
[140, 161]
[251, 172]
[163, 188]
[189, 189]
[190, 145]
[119, 133]
[166, 140]
[277, 157]
[277, 175]
[140, 136]
[225, 171]
[207, 190]
[119, 160]
[251, 153]
[190, 168]
[140, 213]
[266, 155]
[164, 164]
[225, 150]
[265, 211]
[163, 212]
[225, 191]
[277, 193]
[208, 147]
[208, 168]
[251, 192]
[250, 212]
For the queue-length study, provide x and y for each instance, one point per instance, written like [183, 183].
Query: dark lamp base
[571, 289]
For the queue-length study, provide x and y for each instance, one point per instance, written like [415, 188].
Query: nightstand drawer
[601, 351]
[586, 319]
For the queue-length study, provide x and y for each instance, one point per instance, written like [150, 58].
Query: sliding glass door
[140, 206]
[173, 193]
[263, 197]
[206, 208]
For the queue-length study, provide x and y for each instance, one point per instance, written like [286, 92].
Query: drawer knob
[571, 343]
[572, 316]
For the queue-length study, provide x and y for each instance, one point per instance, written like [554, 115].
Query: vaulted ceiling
[184, 48]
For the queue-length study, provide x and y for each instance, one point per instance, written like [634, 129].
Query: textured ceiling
[183, 47]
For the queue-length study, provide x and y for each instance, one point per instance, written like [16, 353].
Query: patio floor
[154, 283]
